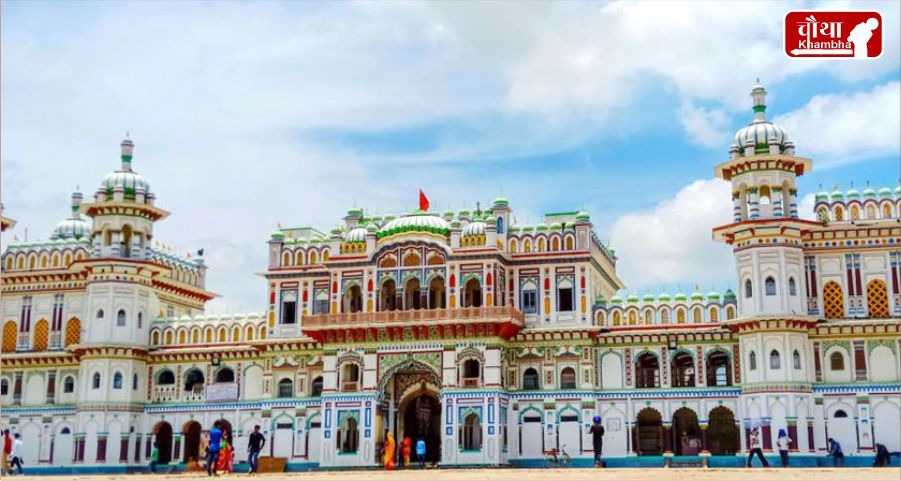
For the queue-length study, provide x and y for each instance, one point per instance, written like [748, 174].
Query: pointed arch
[877, 299]
[41, 335]
[833, 300]
[73, 332]
[10, 336]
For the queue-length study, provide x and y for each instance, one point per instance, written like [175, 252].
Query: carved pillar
[767, 437]
[667, 437]
[705, 446]
[793, 435]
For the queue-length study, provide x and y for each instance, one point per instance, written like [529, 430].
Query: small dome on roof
[713, 296]
[885, 193]
[648, 297]
[336, 231]
[354, 212]
[837, 195]
[556, 226]
[869, 193]
[278, 235]
[416, 223]
[729, 295]
[357, 234]
[371, 227]
[680, 296]
[501, 202]
[582, 215]
[663, 297]
[632, 299]
[616, 300]
[600, 300]
[852, 194]
[697, 296]
[897, 191]
[474, 228]
[541, 228]
[822, 196]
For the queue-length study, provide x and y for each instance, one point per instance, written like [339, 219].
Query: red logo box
[855, 34]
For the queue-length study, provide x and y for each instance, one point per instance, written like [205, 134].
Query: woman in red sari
[226, 457]
[406, 447]
[388, 459]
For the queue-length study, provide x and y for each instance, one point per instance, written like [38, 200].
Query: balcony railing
[56, 340]
[349, 386]
[403, 318]
[24, 344]
[470, 382]
[175, 393]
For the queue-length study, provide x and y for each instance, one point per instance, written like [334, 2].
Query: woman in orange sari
[388, 459]
[225, 457]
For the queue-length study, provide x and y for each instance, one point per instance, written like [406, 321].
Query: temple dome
[418, 222]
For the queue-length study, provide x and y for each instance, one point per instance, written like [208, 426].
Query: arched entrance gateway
[191, 432]
[648, 433]
[410, 406]
[163, 438]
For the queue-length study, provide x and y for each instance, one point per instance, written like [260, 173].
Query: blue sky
[248, 114]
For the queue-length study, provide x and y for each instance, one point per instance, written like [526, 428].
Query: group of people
[407, 446]
[12, 454]
[834, 450]
[220, 456]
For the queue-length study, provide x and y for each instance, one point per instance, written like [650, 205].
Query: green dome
[515, 228]
[632, 299]
[600, 301]
[556, 226]
[885, 193]
[729, 295]
[336, 231]
[501, 202]
[837, 195]
[869, 193]
[448, 213]
[541, 228]
[455, 224]
[680, 296]
[372, 227]
[582, 215]
[355, 212]
[697, 296]
[664, 297]
[822, 196]
[648, 297]
[616, 300]
[278, 235]
[713, 296]
[852, 194]
[464, 213]
[897, 191]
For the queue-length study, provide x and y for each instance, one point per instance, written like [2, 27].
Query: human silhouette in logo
[860, 35]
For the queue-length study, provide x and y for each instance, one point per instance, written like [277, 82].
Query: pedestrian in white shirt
[782, 443]
[16, 454]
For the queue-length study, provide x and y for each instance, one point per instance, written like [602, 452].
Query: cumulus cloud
[846, 127]
[705, 127]
[673, 241]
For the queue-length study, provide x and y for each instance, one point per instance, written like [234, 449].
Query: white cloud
[673, 242]
[841, 128]
[805, 207]
[705, 127]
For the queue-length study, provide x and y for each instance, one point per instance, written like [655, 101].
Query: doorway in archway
[191, 432]
[227, 433]
[686, 432]
[649, 433]
[419, 416]
[163, 432]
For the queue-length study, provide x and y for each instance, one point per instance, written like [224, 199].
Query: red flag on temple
[423, 202]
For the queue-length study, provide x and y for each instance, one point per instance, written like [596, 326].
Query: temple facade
[495, 341]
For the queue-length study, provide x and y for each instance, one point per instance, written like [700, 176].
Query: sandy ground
[573, 474]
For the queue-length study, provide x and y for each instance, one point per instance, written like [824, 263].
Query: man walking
[254, 446]
[17, 455]
[597, 440]
[212, 458]
[154, 456]
[835, 450]
[420, 452]
[755, 448]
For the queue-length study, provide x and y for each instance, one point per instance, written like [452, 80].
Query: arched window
[565, 296]
[99, 313]
[140, 320]
[792, 288]
[775, 360]
[696, 315]
[500, 225]
[472, 373]
[69, 385]
[748, 290]
[683, 370]
[165, 378]
[730, 313]
[568, 378]
[316, 387]
[285, 388]
[120, 318]
[840, 414]
[349, 436]
[836, 362]
[647, 371]
[350, 377]
[95, 384]
[752, 361]
[718, 373]
[472, 293]
[769, 286]
[568, 242]
[194, 380]
[225, 375]
[855, 212]
[471, 438]
[512, 245]
[796, 359]
[4, 387]
[530, 379]
[680, 316]
[134, 382]
[117, 380]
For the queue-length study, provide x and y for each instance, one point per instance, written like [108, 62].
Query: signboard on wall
[222, 391]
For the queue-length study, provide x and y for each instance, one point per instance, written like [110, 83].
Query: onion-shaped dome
[491, 220]
[448, 215]
[885, 193]
[680, 296]
[837, 196]
[541, 228]
[869, 193]
[71, 228]
[527, 228]
[500, 202]
[463, 214]
[823, 196]
[355, 212]
[713, 296]
[582, 216]
[632, 299]
[372, 228]
[897, 191]
[515, 229]
[760, 133]
[600, 301]
[357, 234]
[556, 226]
[616, 300]
[729, 295]
[416, 223]
[474, 228]
[336, 231]
[697, 296]
[663, 297]
[648, 297]
[278, 235]
[852, 194]
[455, 224]
[129, 182]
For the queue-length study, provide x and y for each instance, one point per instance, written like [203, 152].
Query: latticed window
[568, 378]
[877, 299]
[530, 379]
[836, 362]
[833, 300]
[285, 388]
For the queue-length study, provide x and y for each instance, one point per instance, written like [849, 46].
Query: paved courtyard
[512, 474]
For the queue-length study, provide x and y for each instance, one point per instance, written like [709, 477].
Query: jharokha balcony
[464, 322]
